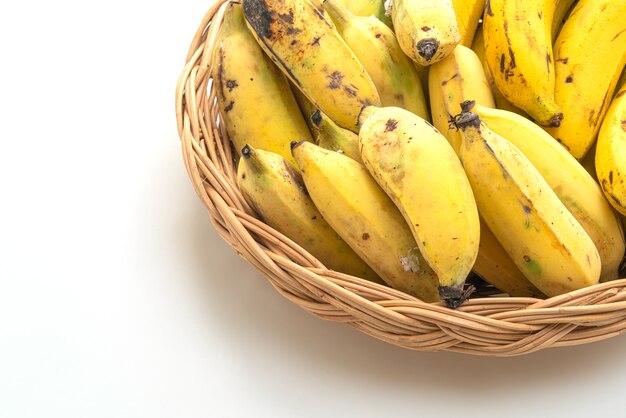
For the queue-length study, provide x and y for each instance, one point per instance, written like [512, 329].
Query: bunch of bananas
[416, 143]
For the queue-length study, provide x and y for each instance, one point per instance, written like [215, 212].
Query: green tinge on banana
[375, 45]
[540, 235]
[274, 188]
[245, 77]
[305, 45]
[495, 267]
[590, 54]
[334, 138]
[420, 172]
[573, 185]
[518, 50]
[426, 30]
[364, 216]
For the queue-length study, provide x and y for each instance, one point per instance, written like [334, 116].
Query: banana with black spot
[246, 79]
[305, 45]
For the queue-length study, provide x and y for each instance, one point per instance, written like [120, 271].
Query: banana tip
[296, 144]
[316, 117]
[452, 296]
[427, 48]
[555, 121]
[246, 151]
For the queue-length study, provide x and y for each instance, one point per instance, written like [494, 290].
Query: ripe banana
[611, 153]
[518, 50]
[537, 231]
[573, 185]
[422, 175]
[305, 45]
[364, 216]
[334, 138]
[453, 80]
[478, 46]
[468, 14]
[562, 11]
[374, 8]
[375, 45]
[243, 78]
[274, 188]
[426, 30]
[327, 133]
[590, 56]
[495, 266]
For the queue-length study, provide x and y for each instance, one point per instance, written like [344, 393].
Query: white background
[118, 299]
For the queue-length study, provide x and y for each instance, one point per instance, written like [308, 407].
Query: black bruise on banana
[259, 17]
[391, 125]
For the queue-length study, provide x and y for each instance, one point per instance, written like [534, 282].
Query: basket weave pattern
[495, 326]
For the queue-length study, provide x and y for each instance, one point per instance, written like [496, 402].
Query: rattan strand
[491, 326]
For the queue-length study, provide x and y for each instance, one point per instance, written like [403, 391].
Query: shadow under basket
[489, 323]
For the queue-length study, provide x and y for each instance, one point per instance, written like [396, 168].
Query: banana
[375, 45]
[562, 11]
[453, 80]
[537, 231]
[495, 266]
[573, 185]
[374, 8]
[274, 188]
[478, 46]
[611, 153]
[518, 50]
[423, 176]
[327, 133]
[468, 14]
[426, 30]
[334, 138]
[305, 45]
[364, 216]
[243, 78]
[590, 56]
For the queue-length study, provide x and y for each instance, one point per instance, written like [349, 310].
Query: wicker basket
[494, 326]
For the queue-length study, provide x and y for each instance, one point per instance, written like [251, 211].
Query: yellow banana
[518, 50]
[274, 188]
[327, 133]
[423, 176]
[562, 11]
[478, 46]
[335, 138]
[451, 81]
[537, 231]
[244, 78]
[426, 30]
[307, 48]
[611, 153]
[375, 45]
[495, 266]
[374, 8]
[573, 185]
[364, 216]
[468, 14]
[590, 56]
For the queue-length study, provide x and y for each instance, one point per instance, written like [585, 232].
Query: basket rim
[491, 326]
